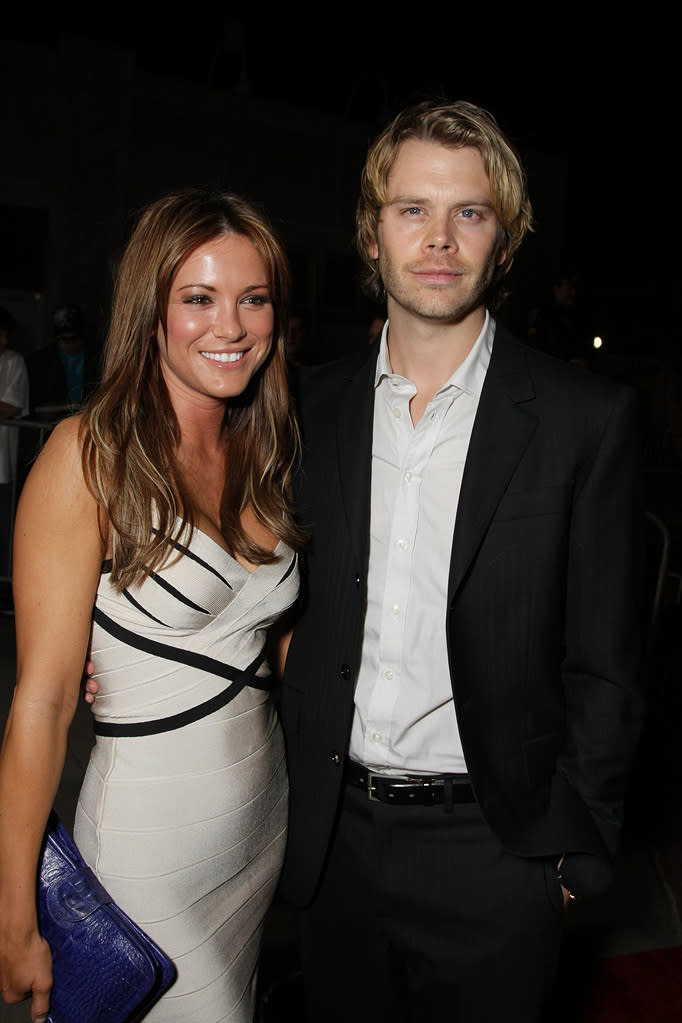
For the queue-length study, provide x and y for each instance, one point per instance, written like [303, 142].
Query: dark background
[281, 107]
[104, 108]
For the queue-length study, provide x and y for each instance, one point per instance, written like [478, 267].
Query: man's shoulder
[313, 385]
[342, 366]
[551, 375]
[12, 359]
[12, 368]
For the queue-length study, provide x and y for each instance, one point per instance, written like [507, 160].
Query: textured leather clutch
[105, 968]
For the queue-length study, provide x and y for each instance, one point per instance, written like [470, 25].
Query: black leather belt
[414, 789]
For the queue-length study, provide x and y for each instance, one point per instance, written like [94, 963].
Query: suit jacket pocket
[523, 504]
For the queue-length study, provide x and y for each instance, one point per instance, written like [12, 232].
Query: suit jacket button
[345, 671]
[336, 759]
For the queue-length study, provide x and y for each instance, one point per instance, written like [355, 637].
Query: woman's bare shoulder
[57, 474]
[65, 437]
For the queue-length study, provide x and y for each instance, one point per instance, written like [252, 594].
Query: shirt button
[388, 674]
[407, 477]
[377, 736]
[395, 610]
[397, 413]
[402, 544]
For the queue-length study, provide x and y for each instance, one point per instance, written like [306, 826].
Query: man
[459, 698]
[65, 372]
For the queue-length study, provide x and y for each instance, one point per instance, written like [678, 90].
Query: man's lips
[436, 274]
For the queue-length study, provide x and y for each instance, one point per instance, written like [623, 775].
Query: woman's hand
[89, 687]
[26, 972]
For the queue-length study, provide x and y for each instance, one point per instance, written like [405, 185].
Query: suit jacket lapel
[502, 430]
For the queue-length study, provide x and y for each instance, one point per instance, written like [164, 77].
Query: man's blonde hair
[454, 125]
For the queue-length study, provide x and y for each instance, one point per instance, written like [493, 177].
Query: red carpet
[645, 987]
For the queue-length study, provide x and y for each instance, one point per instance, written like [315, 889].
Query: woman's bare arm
[57, 556]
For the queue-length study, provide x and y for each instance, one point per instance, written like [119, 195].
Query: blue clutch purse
[105, 968]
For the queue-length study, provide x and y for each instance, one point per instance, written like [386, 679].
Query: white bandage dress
[182, 813]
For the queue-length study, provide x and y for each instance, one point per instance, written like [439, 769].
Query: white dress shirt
[404, 716]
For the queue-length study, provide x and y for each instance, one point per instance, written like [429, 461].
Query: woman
[165, 506]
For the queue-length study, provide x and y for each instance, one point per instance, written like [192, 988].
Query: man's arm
[14, 395]
[604, 707]
[7, 410]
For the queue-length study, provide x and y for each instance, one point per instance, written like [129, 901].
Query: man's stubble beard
[446, 305]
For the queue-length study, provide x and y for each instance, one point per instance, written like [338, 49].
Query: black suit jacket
[542, 619]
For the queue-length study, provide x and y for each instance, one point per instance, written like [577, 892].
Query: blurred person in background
[14, 398]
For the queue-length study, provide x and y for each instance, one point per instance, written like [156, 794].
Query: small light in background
[597, 342]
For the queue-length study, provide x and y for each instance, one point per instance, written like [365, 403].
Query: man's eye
[469, 214]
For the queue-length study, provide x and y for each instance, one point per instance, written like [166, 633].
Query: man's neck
[428, 353]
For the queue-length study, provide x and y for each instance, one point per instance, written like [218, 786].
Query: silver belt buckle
[371, 775]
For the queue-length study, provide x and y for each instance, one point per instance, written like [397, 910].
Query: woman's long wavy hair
[129, 430]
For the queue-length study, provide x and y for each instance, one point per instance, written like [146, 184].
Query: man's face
[438, 239]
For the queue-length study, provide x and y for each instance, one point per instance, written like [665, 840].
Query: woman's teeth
[224, 356]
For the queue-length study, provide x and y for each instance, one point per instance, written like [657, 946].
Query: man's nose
[441, 232]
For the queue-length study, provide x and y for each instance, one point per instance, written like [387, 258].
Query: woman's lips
[224, 357]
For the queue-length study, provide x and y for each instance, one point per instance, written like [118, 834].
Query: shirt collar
[469, 377]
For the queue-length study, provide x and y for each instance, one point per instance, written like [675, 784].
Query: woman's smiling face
[219, 321]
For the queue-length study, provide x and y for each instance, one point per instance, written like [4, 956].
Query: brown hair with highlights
[129, 429]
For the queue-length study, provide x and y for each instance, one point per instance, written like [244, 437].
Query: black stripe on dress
[238, 677]
[174, 592]
[129, 597]
[186, 552]
[290, 569]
